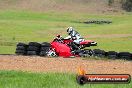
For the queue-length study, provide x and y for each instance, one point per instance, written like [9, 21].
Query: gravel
[64, 65]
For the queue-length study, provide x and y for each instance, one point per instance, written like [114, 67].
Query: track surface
[43, 64]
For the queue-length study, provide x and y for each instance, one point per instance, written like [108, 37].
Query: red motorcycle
[82, 44]
[66, 47]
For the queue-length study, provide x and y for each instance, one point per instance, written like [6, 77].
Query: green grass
[23, 26]
[14, 79]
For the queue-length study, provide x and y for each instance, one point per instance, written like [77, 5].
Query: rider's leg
[74, 46]
[78, 41]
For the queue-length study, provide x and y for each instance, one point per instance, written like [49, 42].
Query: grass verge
[17, 79]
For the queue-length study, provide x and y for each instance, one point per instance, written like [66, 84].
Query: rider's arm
[73, 33]
[68, 37]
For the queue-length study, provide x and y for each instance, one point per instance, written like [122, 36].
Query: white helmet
[69, 30]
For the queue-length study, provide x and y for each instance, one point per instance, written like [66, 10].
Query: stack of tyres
[45, 47]
[131, 56]
[86, 53]
[99, 53]
[124, 55]
[21, 49]
[112, 55]
[98, 22]
[33, 48]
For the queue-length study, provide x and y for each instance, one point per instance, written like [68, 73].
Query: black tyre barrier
[131, 56]
[97, 22]
[34, 44]
[33, 48]
[21, 52]
[89, 52]
[32, 53]
[112, 55]
[44, 50]
[98, 53]
[103, 52]
[45, 44]
[43, 53]
[45, 47]
[124, 55]
[84, 53]
[21, 48]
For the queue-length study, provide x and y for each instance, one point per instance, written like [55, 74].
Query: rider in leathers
[74, 35]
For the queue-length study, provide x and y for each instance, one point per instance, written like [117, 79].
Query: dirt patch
[90, 6]
[109, 36]
[42, 64]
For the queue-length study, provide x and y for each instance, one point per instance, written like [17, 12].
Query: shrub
[127, 5]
